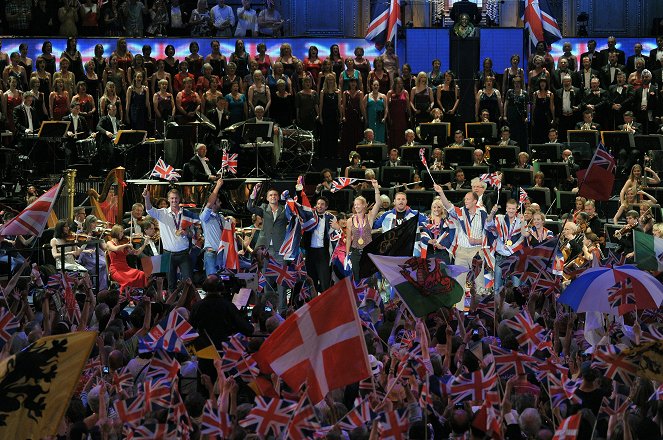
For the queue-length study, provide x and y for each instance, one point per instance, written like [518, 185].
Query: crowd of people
[416, 363]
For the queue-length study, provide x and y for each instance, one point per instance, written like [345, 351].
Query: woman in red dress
[58, 100]
[398, 114]
[120, 271]
[10, 99]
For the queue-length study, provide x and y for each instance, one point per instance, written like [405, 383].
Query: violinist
[119, 247]
[591, 252]
[625, 235]
[62, 236]
[570, 241]
[537, 233]
[150, 237]
[88, 257]
[593, 221]
[79, 218]
[646, 220]
[133, 224]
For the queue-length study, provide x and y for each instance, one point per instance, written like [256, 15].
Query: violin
[77, 238]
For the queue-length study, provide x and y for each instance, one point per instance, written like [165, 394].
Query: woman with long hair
[637, 181]
[543, 111]
[138, 65]
[358, 231]
[161, 74]
[325, 68]
[330, 105]
[39, 99]
[263, 60]
[398, 114]
[287, 59]
[352, 116]
[231, 78]
[439, 227]
[58, 100]
[88, 257]
[350, 73]
[164, 106]
[187, 102]
[46, 55]
[16, 70]
[511, 72]
[70, 252]
[86, 101]
[216, 59]
[375, 108]
[45, 79]
[537, 233]
[312, 63]
[436, 76]
[381, 75]
[10, 99]
[120, 272]
[124, 57]
[172, 65]
[110, 96]
[336, 60]
[241, 59]
[138, 107]
[448, 97]
[515, 109]
[489, 98]
[481, 75]
[67, 76]
[195, 61]
[92, 82]
[75, 59]
[208, 97]
[306, 106]
[259, 93]
[115, 74]
[421, 99]
[283, 105]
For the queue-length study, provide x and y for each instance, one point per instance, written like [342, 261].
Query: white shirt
[222, 14]
[269, 16]
[211, 224]
[205, 166]
[28, 112]
[588, 78]
[247, 20]
[176, 17]
[114, 123]
[74, 123]
[168, 223]
[566, 101]
[474, 221]
[645, 93]
[612, 74]
[619, 89]
[318, 236]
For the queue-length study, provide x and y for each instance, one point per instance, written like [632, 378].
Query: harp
[107, 206]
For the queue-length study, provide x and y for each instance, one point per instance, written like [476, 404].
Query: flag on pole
[155, 264]
[228, 245]
[541, 25]
[597, 180]
[492, 179]
[229, 162]
[384, 22]
[163, 171]
[32, 220]
[341, 182]
[522, 197]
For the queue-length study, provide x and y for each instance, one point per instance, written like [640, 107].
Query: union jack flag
[621, 296]
[562, 388]
[613, 260]
[658, 393]
[269, 415]
[156, 394]
[70, 303]
[358, 417]
[229, 162]
[522, 197]
[603, 159]
[615, 406]
[546, 284]
[122, 380]
[281, 272]
[384, 22]
[512, 362]
[527, 332]
[568, 429]
[394, 425]
[302, 425]
[549, 367]
[130, 410]
[169, 342]
[492, 179]
[162, 366]
[163, 171]
[341, 182]
[151, 431]
[615, 364]
[8, 326]
[215, 422]
[486, 306]
[474, 386]
[174, 321]
[541, 25]
[422, 156]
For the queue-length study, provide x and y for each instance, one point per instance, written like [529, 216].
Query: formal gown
[60, 107]
[422, 103]
[515, 114]
[375, 113]
[236, 108]
[330, 126]
[283, 110]
[353, 126]
[383, 80]
[89, 261]
[165, 107]
[306, 103]
[490, 103]
[138, 111]
[397, 119]
[448, 100]
[124, 275]
[541, 120]
[12, 101]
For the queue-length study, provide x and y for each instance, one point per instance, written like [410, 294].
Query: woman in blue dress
[376, 111]
[88, 256]
[237, 106]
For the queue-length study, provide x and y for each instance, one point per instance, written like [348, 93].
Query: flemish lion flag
[648, 357]
[36, 384]
[155, 264]
[202, 347]
[425, 285]
[648, 251]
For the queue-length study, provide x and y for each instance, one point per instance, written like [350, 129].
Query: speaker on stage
[172, 152]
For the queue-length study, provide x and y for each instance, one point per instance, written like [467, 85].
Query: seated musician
[505, 138]
[60, 235]
[437, 160]
[199, 167]
[132, 223]
[587, 122]
[107, 128]
[88, 256]
[118, 249]
[150, 243]
[79, 219]
[78, 130]
[219, 116]
[409, 138]
[629, 124]
[459, 140]
[369, 137]
[259, 111]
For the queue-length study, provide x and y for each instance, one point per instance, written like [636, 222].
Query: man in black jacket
[78, 130]
[198, 169]
[318, 247]
[567, 106]
[107, 129]
[26, 120]
[612, 47]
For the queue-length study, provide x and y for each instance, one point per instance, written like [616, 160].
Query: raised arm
[445, 202]
[376, 207]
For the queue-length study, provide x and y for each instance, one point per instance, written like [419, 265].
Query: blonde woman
[138, 104]
[259, 93]
[111, 97]
[163, 104]
[439, 229]
[637, 181]
[358, 230]
[421, 99]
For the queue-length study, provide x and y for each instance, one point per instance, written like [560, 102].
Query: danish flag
[621, 296]
[325, 351]
[229, 162]
[269, 415]
[568, 429]
[163, 171]
[341, 182]
[32, 220]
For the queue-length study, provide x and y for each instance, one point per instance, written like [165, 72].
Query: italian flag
[155, 264]
[425, 285]
[648, 251]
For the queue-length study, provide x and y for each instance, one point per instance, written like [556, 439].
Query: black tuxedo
[597, 60]
[630, 62]
[83, 130]
[557, 78]
[606, 81]
[575, 97]
[511, 142]
[317, 258]
[625, 99]
[593, 125]
[196, 172]
[213, 116]
[636, 126]
[21, 119]
[621, 56]
[106, 125]
[657, 77]
[579, 77]
[388, 163]
[642, 115]
[106, 147]
[653, 62]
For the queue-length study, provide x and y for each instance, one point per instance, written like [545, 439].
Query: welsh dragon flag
[425, 285]
[648, 251]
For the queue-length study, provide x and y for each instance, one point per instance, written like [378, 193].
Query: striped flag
[597, 180]
[228, 245]
[164, 171]
[384, 22]
[541, 25]
[229, 162]
[189, 218]
[492, 179]
[8, 326]
[569, 428]
[341, 182]
[32, 220]
[155, 264]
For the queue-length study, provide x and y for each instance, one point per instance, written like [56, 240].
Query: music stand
[369, 193]
[517, 177]
[566, 200]
[555, 172]
[435, 133]
[615, 141]
[374, 152]
[130, 137]
[251, 132]
[420, 200]
[540, 196]
[481, 130]
[455, 156]
[582, 151]
[456, 195]
[53, 129]
[440, 177]
[553, 225]
[471, 171]
[410, 155]
[589, 136]
[396, 175]
[504, 156]
[645, 143]
[546, 152]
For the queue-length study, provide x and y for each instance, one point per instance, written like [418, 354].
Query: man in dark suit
[563, 69]
[583, 76]
[318, 247]
[592, 54]
[460, 141]
[259, 111]
[198, 169]
[645, 103]
[620, 96]
[219, 116]
[630, 125]
[612, 47]
[609, 71]
[78, 130]
[657, 74]
[587, 122]
[637, 53]
[26, 119]
[656, 55]
[596, 99]
[567, 106]
[271, 235]
[394, 160]
[107, 129]
[505, 138]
